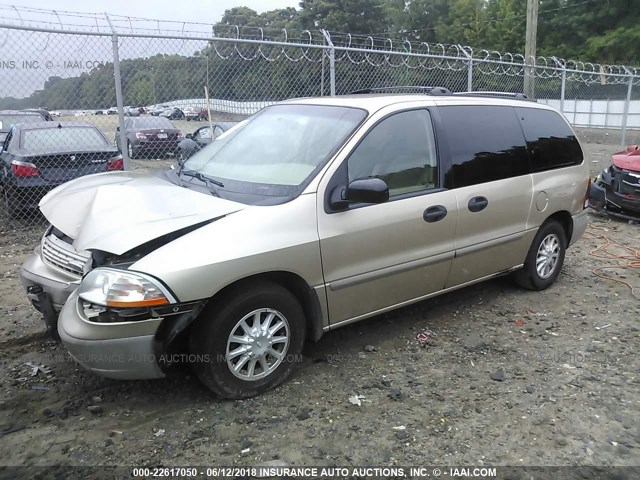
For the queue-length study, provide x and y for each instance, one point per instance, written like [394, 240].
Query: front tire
[249, 341]
[544, 259]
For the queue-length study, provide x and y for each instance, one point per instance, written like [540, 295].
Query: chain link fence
[110, 93]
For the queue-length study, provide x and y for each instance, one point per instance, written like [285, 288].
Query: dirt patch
[488, 375]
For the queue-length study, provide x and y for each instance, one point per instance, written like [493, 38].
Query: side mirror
[366, 190]
[117, 129]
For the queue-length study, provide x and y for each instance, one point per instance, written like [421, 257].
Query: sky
[206, 11]
[28, 59]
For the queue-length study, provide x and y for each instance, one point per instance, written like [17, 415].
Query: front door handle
[434, 214]
[478, 203]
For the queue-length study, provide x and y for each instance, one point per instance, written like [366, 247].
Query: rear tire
[257, 330]
[544, 259]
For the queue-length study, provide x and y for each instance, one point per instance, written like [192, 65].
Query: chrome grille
[61, 255]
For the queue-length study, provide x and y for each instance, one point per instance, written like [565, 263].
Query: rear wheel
[249, 341]
[545, 257]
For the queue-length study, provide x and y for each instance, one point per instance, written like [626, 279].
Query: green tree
[424, 18]
[505, 25]
[348, 16]
[467, 24]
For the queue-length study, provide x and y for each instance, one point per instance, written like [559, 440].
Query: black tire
[554, 237]
[211, 332]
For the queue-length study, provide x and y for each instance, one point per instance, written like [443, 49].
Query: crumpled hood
[118, 211]
[628, 159]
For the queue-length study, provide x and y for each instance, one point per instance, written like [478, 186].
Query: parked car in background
[156, 110]
[202, 137]
[149, 136]
[191, 113]
[37, 157]
[616, 190]
[130, 111]
[112, 111]
[55, 113]
[9, 118]
[45, 113]
[99, 112]
[173, 113]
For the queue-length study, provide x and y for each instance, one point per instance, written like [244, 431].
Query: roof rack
[423, 89]
[519, 96]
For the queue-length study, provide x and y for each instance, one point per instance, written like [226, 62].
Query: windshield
[152, 122]
[278, 149]
[7, 121]
[49, 140]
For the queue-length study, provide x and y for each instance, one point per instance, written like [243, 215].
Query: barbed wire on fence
[375, 50]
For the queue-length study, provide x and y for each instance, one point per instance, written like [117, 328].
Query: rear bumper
[171, 145]
[580, 221]
[28, 196]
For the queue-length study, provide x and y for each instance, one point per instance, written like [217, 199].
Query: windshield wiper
[211, 183]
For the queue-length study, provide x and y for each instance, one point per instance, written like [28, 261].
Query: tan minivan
[312, 214]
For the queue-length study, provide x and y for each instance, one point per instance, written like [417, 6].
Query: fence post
[562, 88]
[324, 41]
[332, 62]
[119, 103]
[469, 67]
[625, 115]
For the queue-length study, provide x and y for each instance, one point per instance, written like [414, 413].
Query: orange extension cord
[629, 260]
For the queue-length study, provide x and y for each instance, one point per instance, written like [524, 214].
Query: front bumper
[46, 286]
[118, 350]
[602, 198]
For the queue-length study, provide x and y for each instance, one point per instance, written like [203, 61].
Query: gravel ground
[501, 376]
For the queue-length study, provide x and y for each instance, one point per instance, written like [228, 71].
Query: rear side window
[551, 142]
[485, 144]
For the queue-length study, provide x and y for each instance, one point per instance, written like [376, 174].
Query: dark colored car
[173, 113]
[616, 190]
[9, 118]
[45, 113]
[202, 137]
[37, 157]
[150, 136]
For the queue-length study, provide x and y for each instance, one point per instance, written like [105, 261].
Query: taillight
[179, 133]
[140, 135]
[586, 195]
[116, 163]
[24, 169]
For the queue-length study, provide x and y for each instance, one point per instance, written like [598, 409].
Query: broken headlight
[111, 287]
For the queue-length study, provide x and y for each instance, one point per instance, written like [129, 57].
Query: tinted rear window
[66, 139]
[485, 144]
[152, 122]
[7, 121]
[551, 142]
